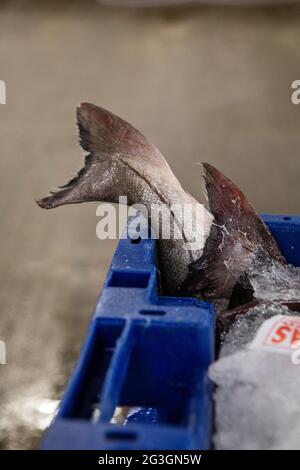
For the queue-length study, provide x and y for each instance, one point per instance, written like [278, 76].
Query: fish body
[237, 239]
[232, 242]
[121, 162]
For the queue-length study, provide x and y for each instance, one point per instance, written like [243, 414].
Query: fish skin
[239, 254]
[237, 238]
[121, 162]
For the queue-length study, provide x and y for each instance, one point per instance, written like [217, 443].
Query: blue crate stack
[150, 353]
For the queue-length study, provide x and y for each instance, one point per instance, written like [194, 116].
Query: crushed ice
[257, 400]
[273, 281]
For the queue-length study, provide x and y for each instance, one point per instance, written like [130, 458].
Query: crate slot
[129, 279]
[84, 390]
[152, 312]
[147, 372]
[116, 373]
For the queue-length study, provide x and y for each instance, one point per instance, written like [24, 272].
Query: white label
[278, 334]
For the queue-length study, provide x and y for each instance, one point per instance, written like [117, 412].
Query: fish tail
[238, 236]
[111, 142]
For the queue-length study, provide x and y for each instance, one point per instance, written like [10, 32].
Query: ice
[257, 399]
[246, 325]
[273, 281]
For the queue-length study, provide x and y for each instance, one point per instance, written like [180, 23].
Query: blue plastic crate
[150, 352]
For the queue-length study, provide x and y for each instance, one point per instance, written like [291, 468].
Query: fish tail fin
[109, 141]
[237, 237]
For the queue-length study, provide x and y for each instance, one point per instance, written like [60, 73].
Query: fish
[242, 266]
[238, 240]
[122, 162]
[233, 245]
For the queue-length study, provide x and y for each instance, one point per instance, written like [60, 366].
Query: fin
[111, 143]
[237, 237]
[104, 134]
[71, 192]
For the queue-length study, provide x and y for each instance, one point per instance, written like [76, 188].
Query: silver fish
[238, 240]
[232, 236]
[121, 162]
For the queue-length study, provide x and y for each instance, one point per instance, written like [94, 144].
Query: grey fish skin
[122, 162]
[238, 239]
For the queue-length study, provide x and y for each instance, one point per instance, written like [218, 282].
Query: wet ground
[204, 83]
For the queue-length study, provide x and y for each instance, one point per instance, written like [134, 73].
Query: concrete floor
[203, 83]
